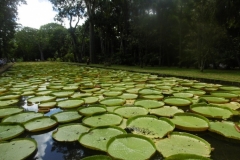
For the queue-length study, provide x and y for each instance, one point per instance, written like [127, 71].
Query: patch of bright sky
[37, 13]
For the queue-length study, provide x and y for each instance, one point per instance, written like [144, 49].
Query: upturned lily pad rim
[186, 157]
[97, 157]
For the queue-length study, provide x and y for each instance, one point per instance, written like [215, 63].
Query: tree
[8, 17]
[73, 10]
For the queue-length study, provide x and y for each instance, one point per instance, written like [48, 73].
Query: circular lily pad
[146, 91]
[90, 100]
[227, 95]
[113, 101]
[97, 138]
[70, 103]
[9, 96]
[8, 102]
[133, 90]
[165, 111]
[9, 131]
[128, 96]
[66, 116]
[17, 148]
[112, 93]
[150, 126]
[186, 157]
[88, 111]
[131, 111]
[130, 146]
[183, 143]
[183, 94]
[177, 101]
[196, 92]
[212, 99]
[229, 88]
[69, 132]
[39, 99]
[153, 96]
[212, 111]
[148, 103]
[21, 117]
[190, 122]
[39, 124]
[9, 111]
[104, 119]
[47, 105]
[43, 93]
[226, 128]
[61, 94]
[97, 157]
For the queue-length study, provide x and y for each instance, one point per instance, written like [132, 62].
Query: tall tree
[73, 10]
[8, 18]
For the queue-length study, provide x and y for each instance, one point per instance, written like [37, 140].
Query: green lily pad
[212, 99]
[226, 128]
[131, 147]
[90, 100]
[55, 87]
[39, 124]
[231, 105]
[47, 105]
[9, 111]
[112, 93]
[150, 126]
[183, 94]
[71, 88]
[97, 157]
[133, 90]
[44, 93]
[229, 88]
[113, 101]
[153, 96]
[183, 143]
[39, 99]
[8, 102]
[130, 111]
[66, 116]
[177, 101]
[212, 111]
[70, 103]
[9, 96]
[186, 157]
[227, 95]
[69, 132]
[196, 92]
[17, 148]
[21, 117]
[117, 88]
[104, 119]
[61, 94]
[190, 122]
[80, 95]
[28, 93]
[148, 103]
[9, 131]
[165, 111]
[128, 96]
[146, 91]
[98, 138]
[88, 111]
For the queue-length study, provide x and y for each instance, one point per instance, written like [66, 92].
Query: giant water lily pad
[183, 143]
[39, 99]
[66, 116]
[196, 92]
[9, 96]
[104, 119]
[190, 122]
[97, 157]
[90, 100]
[165, 111]
[148, 103]
[88, 111]
[69, 132]
[147, 91]
[4, 103]
[226, 128]
[61, 94]
[177, 101]
[9, 111]
[9, 131]
[128, 96]
[112, 93]
[131, 147]
[212, 111]
[17, 149]
[213, 99]
[153, 96]
[183, 94]
[229, 88]
[150, 126]
[70, 103]
[47, 105]
[113, 101]
[130, 111]
[39, 124]
[231, 105]
[22, 117]
[224, 94]
[97, 138]
[183, 156]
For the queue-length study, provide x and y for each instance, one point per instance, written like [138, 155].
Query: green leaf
[88, 111]
[177, 101]
[130, 111]
[113, 101]
[97, 157]
[186, 157]
[131, 147]
[98, 138]
[147, 103]
[70, 103]
[9, 111]
[22, 117]
[66, 116]
[165, 111]
[9, 131]
[39, 99]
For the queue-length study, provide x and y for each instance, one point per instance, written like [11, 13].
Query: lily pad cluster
[127, 115]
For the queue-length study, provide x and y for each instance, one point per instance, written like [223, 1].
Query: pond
[123, 99]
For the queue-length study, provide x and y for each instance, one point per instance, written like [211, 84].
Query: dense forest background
[183, 33]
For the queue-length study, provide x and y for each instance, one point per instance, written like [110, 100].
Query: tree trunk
[92, 43]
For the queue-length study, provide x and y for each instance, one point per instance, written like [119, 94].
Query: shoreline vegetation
[226, 77]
